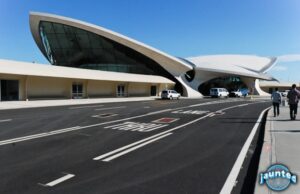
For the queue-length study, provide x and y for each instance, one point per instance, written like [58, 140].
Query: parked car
[218, 92]
[245, 91]
[235, 93]
[170, 94]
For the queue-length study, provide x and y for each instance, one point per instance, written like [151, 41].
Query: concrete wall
[101, 88]
[43, 87]
[35, 87]
[138, 89]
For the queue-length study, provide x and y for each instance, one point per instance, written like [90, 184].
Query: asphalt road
[151, 147]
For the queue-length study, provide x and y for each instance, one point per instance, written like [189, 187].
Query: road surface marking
[19, 139]
[5, 120]
[231, 179]
[111, 108]
[166, 120]
[211, 102]
[125, 147]
[151, 137]
[60, 180]
[148, 138]
[104, 115]
[80, 107]
[192, 112]
[135, 148]
[30, 137]
[243, 105]
[136, 126]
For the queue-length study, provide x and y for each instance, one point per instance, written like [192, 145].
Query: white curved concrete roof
[33, 69]
[246, 65]
[172, 64]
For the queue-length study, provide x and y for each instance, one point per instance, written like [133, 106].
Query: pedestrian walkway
[46, 103]
[281, 146]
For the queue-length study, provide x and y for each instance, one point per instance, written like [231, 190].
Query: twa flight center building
[90, 61]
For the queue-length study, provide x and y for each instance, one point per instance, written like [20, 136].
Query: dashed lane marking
[136, 126]
[59, 180]
[192, 112]
[104, 115]
[5, 120]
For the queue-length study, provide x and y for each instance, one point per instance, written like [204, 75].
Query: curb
[267, 156]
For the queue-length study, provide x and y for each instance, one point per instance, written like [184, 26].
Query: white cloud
[289, 58]
[279, 68]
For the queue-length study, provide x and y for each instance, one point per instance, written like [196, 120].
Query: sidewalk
[281, 146]
[46, 103]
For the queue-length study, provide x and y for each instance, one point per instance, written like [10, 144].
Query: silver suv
[170, 94]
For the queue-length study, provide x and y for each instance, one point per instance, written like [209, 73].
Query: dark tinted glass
[71, 46]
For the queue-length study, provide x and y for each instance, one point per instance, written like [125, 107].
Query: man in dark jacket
[276, 99]
[293, 97]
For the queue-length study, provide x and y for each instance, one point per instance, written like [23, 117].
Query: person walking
[293, 96]
[276, 99]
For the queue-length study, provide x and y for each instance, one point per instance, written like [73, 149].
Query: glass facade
[73, 47]
[70, 46]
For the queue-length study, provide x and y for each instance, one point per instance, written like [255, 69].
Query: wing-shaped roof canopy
[246, 65]
[168, 62]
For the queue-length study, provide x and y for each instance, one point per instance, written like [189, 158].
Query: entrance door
[153, 91]
[121, 91]
[9, 90]
[77, 90]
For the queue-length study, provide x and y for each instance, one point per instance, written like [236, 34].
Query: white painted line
[14, 140]
[80, 107]
[211, 102]
[160, 111]
[212, 115]
[5, 120]
[231, 179]
[111, 108]
[107, 115]
[135, 148]
[243, 105]
[148, 138]
[125, 147]
[136, 126]
[30, 137]
[60, 180]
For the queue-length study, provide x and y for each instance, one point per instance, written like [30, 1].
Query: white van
[218, 92]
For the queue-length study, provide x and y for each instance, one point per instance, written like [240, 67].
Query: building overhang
[41, 70]
[172, 64]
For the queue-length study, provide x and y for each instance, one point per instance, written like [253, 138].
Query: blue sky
[179, 27]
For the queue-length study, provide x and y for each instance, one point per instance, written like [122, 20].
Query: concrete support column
[26, 88]
[86, 85]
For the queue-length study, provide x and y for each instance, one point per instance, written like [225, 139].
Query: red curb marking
[165, 120]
